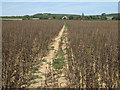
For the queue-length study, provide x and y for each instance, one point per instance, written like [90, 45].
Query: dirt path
[63, 81]
[46, 69]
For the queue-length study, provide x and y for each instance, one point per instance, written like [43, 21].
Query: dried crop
[22, 42]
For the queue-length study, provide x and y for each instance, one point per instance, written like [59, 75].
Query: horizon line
[63, 13]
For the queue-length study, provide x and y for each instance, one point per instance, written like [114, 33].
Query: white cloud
[60, 1]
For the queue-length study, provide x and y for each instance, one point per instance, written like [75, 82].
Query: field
[94, 46]
[60, 54]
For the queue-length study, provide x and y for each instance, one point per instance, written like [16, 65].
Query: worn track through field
[46, 66]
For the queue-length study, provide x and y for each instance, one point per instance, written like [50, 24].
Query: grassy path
[48, 74]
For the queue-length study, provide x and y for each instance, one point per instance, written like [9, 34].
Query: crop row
[93, 54]
[22, 41]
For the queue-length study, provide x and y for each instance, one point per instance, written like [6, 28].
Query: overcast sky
[30, 8]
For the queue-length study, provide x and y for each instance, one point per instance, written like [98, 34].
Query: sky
[59, 0]
[30, 8]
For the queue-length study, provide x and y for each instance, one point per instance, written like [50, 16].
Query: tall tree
[82, 16]
[103, 16]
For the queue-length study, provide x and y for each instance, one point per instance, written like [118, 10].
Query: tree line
[103, 16]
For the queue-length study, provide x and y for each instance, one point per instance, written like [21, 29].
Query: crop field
[22, 42]
[60, 54]
[94, 46]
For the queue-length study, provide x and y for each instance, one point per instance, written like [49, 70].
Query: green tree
[103, 16]
[53, 17]
[71, 17]
[82, 16]
[26, 17]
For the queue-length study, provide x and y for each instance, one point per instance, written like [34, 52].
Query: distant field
[60, 53]
[11, 19]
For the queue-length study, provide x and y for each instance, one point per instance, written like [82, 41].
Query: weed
[34, 69]
[58, 63]
[51, 48]
[37, 76]
[60, 53]
[34, 82]
[66, 48]
[63, 38]
[43, 60]
[49, 63]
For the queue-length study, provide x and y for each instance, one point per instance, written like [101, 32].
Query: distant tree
[71, 17]
[82, 16]
[103, 16]
[40, 18]
[26, 17]
[86, 18]
[59, 17]
[74, 18]
[53, 17]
